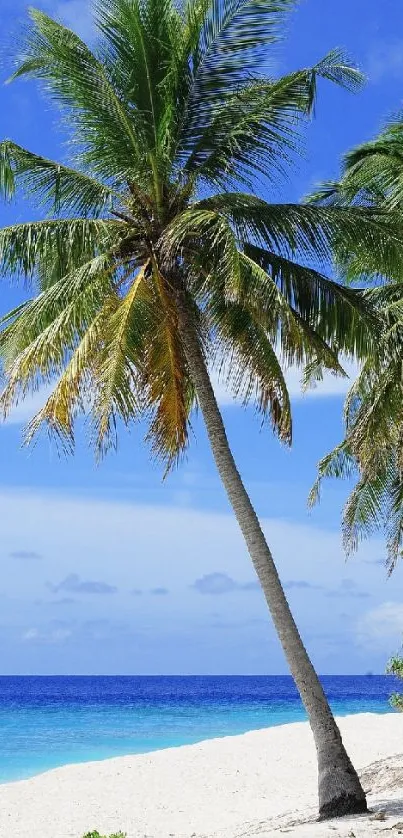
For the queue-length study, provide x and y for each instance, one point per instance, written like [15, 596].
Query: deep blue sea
[47, 721]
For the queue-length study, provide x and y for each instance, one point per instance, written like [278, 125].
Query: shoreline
[253, 783]
[193, 743]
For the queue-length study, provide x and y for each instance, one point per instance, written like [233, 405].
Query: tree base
[344, 804]
[340, 790]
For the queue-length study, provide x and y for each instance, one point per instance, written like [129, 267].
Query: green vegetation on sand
[97, 835]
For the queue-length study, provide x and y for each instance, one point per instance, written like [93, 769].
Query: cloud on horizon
[25, 555]
[348, 588]
[72, 631]
[64, 601]
[56, 632]
[73, 584]
[301, 585]
[216, 584]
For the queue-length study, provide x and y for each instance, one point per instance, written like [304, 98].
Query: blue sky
[106, 569]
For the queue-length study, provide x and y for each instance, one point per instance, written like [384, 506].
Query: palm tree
[372, 450]
[154, 265]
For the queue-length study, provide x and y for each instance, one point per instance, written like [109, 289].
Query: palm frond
[171, 392]
[142, 51]
[339, 463]
[117, 393]
[373, 445]
[372, 172]
[209, 234]
[313, 231]
[254, 132]
[232, 38]
[374, 406]
[394, 518]
[364, 511]
[54, 187]
[36, 344]
[256, 129]
[104, 125]
[73, 393]
[292, 335]
[246, 360]
[342, 316]
[74, 241]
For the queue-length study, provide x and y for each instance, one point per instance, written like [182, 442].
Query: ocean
[47, 722]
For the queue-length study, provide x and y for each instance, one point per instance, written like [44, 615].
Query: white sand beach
[259, 784]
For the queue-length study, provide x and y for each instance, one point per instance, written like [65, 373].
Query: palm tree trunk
[340, 791]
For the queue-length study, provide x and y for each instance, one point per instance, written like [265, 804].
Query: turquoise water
[48, 722]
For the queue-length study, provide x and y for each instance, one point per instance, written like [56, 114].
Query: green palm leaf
[341, 314]
[142, 45]
[71, 241]
[257, 129]
[106, 133]
[55, 187]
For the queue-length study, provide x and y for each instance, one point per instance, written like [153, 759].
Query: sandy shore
[260, 784]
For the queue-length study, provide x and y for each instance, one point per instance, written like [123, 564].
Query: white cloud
[50, 635]
[58, 635]
[331, 385]
[30, 634]
[73, 584]
[28, 407]
[385, 622]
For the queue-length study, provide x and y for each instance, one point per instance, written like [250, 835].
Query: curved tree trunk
[340, 791]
